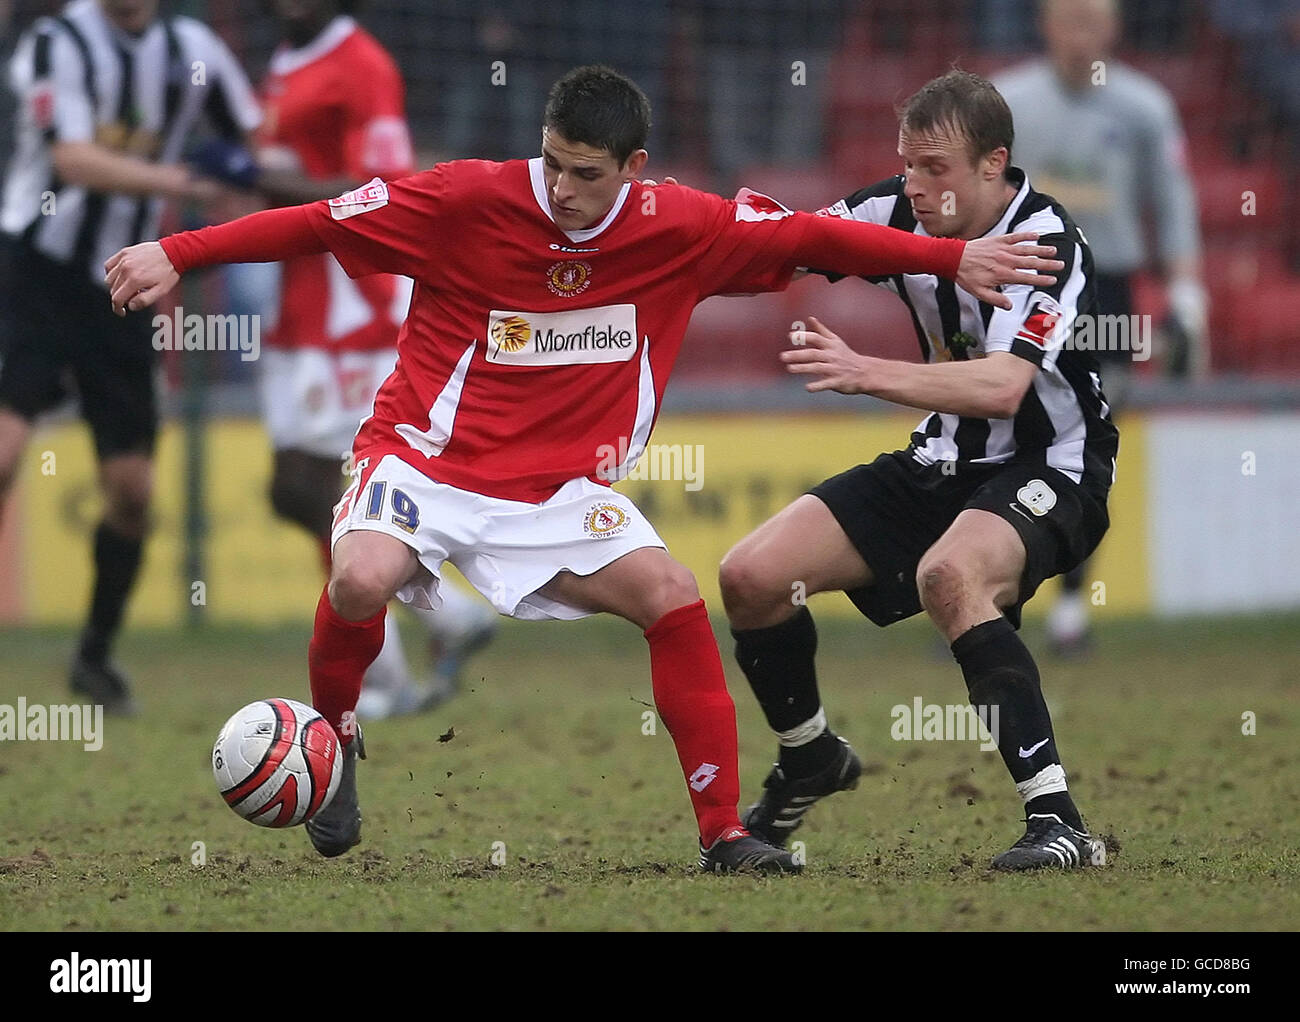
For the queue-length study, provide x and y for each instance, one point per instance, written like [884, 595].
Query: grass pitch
[550, 759]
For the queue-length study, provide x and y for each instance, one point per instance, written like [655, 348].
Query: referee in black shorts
[1003, 485]
[107, 94]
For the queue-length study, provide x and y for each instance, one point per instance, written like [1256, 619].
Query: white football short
[314, 400]
[506, 549]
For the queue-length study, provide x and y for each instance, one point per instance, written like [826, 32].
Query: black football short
[895, 509]
[59, 336]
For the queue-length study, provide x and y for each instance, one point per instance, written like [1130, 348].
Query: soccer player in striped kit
[1003, 485]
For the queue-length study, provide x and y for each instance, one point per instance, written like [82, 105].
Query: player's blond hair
[965, 105]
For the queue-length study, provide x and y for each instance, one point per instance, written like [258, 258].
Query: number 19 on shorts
[406, 516]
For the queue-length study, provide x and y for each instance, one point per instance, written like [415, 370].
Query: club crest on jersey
[604, 520]
[568, 278]
[365, 199]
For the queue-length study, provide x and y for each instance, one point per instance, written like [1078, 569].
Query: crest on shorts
[568, 278]
[604, 520]
[1037, 496]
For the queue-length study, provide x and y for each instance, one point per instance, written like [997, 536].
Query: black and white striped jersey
[79, 78]
[1064, 415]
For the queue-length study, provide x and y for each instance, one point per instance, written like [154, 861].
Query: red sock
[691, 695]
[337, 658]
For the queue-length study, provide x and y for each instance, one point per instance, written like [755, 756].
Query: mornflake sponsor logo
[57, 723]
[73, 975]
[592, 338]
[582, 337]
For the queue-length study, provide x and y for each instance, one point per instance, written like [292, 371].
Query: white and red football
[277, 762]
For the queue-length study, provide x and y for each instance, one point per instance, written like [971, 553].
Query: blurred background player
[1107, 142]
[107, 96]
[334, 119]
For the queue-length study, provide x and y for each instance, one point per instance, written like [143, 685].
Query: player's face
[132, 16]
[951, 197]
[581, 182]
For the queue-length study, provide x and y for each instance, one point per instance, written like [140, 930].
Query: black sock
[1002, 679]
[778, 663]
[117, 563]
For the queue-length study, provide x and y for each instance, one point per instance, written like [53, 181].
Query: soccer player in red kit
[334, 117]
[551, 298]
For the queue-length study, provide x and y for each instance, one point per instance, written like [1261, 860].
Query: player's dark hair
[965, 103]
[599, 107]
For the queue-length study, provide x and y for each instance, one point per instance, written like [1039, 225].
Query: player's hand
[1008, 259]
[138, 276]
[821, 353]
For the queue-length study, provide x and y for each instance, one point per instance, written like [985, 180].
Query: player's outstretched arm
[140, 275]
[980, 266]
[984, 388]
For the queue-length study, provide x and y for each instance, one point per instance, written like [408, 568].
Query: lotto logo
[704, 775]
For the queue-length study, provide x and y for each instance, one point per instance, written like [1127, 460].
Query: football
[277, 762]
